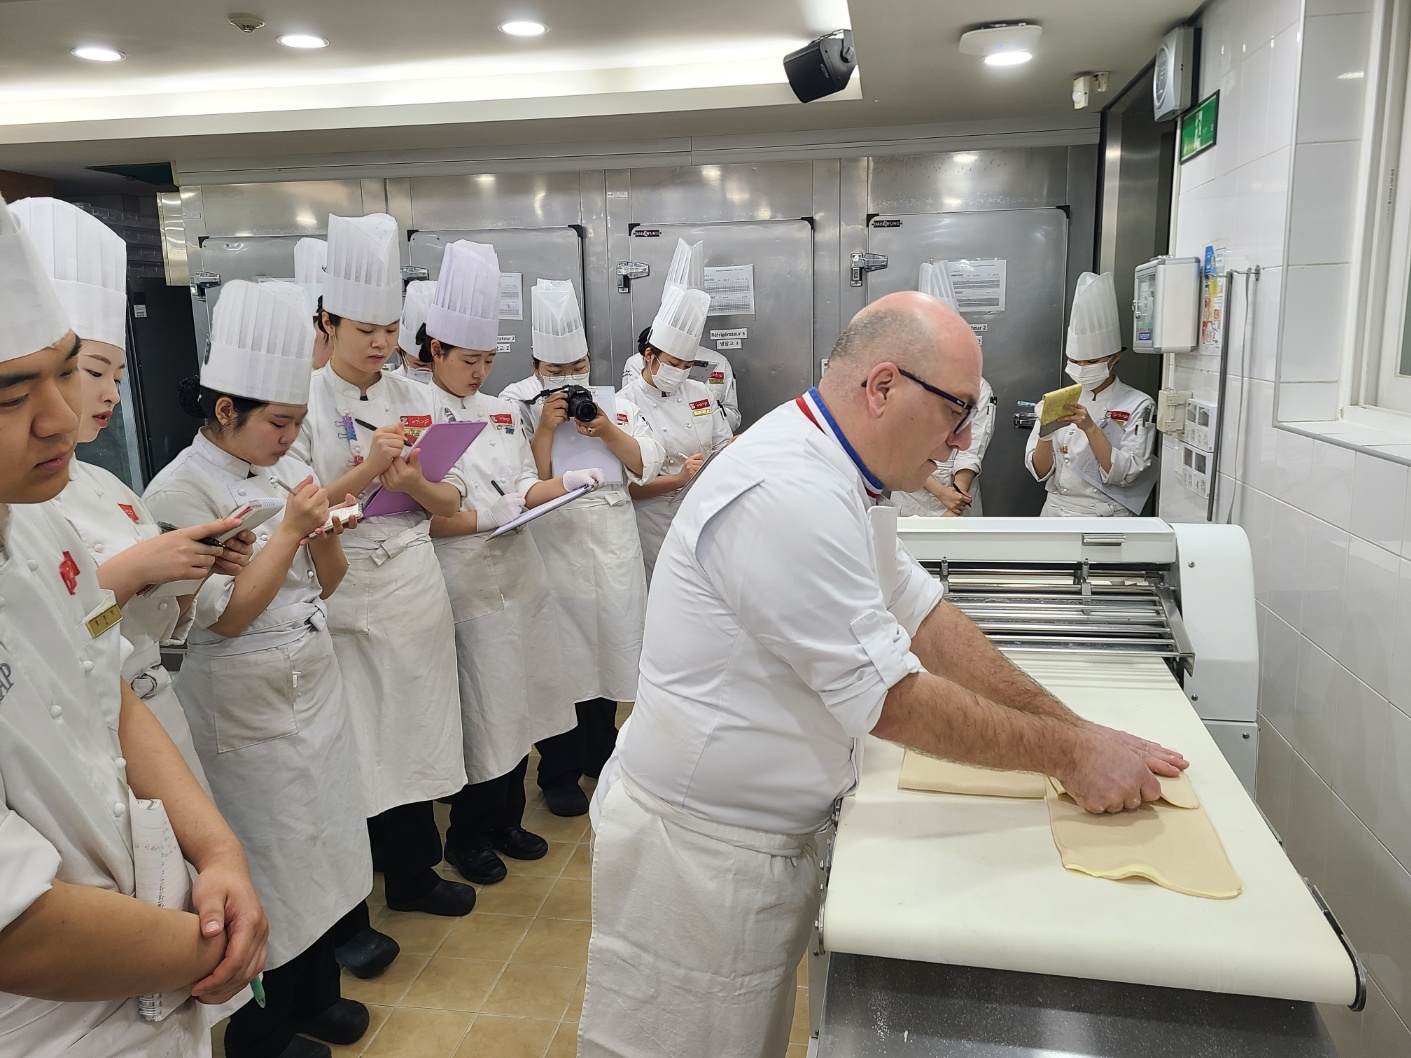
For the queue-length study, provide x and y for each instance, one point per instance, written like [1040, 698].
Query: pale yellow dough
[930, 775]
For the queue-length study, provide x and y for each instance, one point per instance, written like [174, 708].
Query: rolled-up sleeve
[1134, 453]
[813, 598]
[916, 593]
[28, 863]
[981, 430]
[653, 454]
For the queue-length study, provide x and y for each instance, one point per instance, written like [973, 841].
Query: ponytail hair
[423, 346]
[200, 403]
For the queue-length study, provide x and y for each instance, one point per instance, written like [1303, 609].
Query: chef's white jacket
[769, 646]
[719, 379]
[1069, 493]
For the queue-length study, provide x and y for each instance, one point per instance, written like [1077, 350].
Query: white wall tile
[1336, 7]
[1353, 854]
[1255, 72]
[1361, 726]
[1266, 19]
[1278, 685]
[1294, 473]
[1392, 822]
[1224, 29]
[1307, 836]
[1330, 484]
[1308, 401]
[1323, 612]
[1324, 203]
[1386, 947]
[1264, 328]
[1367, 643]
[1230, 128]
[1261, 438]
[1329, 104]
[1283, 86]
[1254, 514]
[1383, 1031]
[1274, 776]
[1316, 709]
[1401, 635]
[1288, 532]
[1379, 489]
[1315, 297]
[1271, 206]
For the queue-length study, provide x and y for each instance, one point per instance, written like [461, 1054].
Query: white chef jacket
[64, 798]
[719, 379]
[500, 455]
[982, 429]
[769, 645]
[1069, 494]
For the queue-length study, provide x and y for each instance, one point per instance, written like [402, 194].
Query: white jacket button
[87, 665]
[119, 809]
[56, 711]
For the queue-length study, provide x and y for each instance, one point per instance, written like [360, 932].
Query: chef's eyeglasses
[967, 409]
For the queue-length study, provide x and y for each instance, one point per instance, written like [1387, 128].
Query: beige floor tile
[529, 990]
[569, 898]
[555, 942]
[799, 1033]
[551, 866]
[378, 1017]
[581, 864]
[484, 936]
[218, 1039]
[443, 815]
[574, 1013]
[565, 1043]
[517, 895]
[798, 1050]
[624, 710]
[390, 986]
[556, 828]
[418, 934]
[413, 1032]
[454, 984]
[378, 897]
[496, 1037]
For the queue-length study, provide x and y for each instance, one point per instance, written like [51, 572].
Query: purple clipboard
[440, 445]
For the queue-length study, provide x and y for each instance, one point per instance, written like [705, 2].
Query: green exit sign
[1198, 127]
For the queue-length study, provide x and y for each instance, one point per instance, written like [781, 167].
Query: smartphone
[252, 514]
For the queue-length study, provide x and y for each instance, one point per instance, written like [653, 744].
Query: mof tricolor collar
[816, 411]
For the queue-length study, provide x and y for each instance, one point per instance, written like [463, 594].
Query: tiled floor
[507, 980]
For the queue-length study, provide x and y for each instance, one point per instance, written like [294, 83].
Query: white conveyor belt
[976, 881]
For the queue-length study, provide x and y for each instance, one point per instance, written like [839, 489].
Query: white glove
[505, 509]
[576, 479]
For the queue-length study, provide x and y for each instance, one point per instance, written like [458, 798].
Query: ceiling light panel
[98, 53]
[302, 40]
[523, 28]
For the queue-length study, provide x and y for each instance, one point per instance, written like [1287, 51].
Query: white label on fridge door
[979, 285]
[728, 343]
[734, 332]
[511, 295]
[731, 290]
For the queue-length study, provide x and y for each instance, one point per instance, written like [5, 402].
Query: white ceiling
[406, 74]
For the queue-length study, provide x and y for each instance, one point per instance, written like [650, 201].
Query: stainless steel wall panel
[598, 294]
[827, 201]
[294, 208]
[496, 200]
[712, 194]
[852, 237]
[1010, 178]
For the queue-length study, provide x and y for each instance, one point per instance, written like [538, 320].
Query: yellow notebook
[1054, 405]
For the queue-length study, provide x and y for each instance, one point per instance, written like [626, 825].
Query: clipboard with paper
[439, 446]
[547, 507]
[1133, 496]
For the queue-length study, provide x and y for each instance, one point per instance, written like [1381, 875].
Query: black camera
[581, 405]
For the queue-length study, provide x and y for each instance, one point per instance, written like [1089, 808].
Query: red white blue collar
[816, 411]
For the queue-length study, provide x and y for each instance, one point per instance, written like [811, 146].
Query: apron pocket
[348, 610]
[254, 698]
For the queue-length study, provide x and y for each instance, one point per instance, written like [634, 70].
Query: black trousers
[566, 758]
[483, 807]
[406, 847]
[296, 992]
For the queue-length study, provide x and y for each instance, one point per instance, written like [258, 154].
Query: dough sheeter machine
[949, 925]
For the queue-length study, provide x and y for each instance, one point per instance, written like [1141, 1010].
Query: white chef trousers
[698, 929]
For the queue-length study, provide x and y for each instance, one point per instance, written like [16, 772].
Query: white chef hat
[262, 343]
[87, 261]
[33, 317]
[418, 300]
[935, 280]
[310, 255]
[363, 274]
[1093, 327]
[465, 312]
[679, 322]
[687, 265]
[556, 323]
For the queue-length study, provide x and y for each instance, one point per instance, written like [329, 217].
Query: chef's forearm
[949, 644]
[1101, 446]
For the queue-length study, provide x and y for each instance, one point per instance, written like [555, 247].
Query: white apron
[110, 518]
[698, 929]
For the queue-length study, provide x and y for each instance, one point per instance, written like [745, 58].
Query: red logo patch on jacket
[128, 510]
[413, 425]
[68, 569]
[1119, 416]
[622, 418]
[717, 378]
[502, 418]
[697, 405]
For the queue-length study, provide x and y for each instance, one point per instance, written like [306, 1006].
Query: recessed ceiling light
[1002, 43]
[98, 53]
[1011, 57]
[524, 28]
[302, 40]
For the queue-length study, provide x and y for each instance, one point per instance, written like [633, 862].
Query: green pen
[257, 986]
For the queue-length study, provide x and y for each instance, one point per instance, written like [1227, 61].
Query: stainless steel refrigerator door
[532, 254]
[1022, 344]
[774, 359]
[253, 258]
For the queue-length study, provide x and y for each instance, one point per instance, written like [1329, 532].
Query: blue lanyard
[872, 480]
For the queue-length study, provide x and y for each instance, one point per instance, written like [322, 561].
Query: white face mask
[1089, 375]
[569, 380]
[668, 379]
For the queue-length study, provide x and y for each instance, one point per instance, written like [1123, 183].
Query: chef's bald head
[886, 375]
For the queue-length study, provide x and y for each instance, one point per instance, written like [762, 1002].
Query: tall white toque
[556, 323]
[679, 322]
[935, 280]
[687, 265]
[363, 274]
[33, 317]
[262, 343]
[414, 308]
[87, 261]
[310, 255]
[1094, 330]
[465, 311]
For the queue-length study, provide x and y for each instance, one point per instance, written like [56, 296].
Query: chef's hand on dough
[1158, 758]
[1108, 776]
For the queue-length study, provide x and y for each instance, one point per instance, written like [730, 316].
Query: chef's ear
[225, 411]
[878, 385]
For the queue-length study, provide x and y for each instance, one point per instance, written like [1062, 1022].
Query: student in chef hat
[391, 621]
[952, 490]
[285, 774]
[66, 762]
[309, 258]
[412, 343]
[591, 543]
[684, 418]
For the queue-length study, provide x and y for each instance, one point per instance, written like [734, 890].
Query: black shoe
[449, 899]
[567, 800]
[298, 1047]
[480, 866]
[518, 844]
[367, 953]
[345, 1022]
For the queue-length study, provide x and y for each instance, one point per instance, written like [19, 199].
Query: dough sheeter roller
[949, 925]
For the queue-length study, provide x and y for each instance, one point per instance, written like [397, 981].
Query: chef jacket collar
[813, 407]
[343, 388]
[214, 453]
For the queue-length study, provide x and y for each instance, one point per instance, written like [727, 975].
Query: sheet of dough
[1172, 844]
[932, 775]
